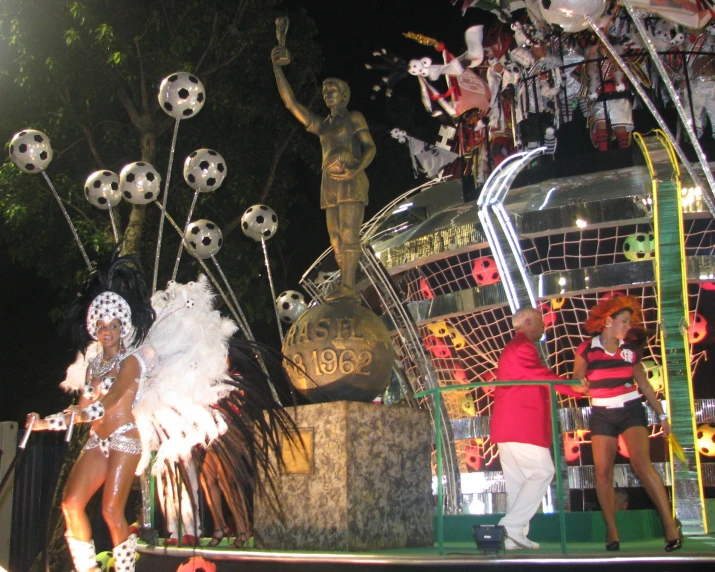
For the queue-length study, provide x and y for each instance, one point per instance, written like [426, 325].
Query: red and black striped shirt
[608, 374]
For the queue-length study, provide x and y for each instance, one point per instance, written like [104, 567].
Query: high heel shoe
[613, 546]
[243, 540]
[677, 544]
[218, 535]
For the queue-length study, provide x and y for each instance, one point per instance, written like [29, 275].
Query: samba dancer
[112, 388]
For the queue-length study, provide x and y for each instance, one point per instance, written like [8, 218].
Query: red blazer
[522, 414]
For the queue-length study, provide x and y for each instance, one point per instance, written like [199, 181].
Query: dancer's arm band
[56, 422]
[94, 411]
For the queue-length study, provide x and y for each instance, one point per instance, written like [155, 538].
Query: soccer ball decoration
[204, 237]
[639, 246]
[139, 183]
[197, 564]
[485, 271]
[204, 170]
[290, 306]
[102, 189]
[705, 439]
[698, 328]
[571, 14]
[259, 222]
[30, 150]
[182, 95]
[655, 374]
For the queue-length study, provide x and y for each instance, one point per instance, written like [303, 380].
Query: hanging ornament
[181, 95]
[485, 271]
[259, 222]
[102, 190]
[31, 151]
[705, 439]
[204, 170]
[139, 183]
[204, 239]
[290, 305]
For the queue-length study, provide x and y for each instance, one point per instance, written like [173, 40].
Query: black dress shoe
[673, 545]
[614, 546]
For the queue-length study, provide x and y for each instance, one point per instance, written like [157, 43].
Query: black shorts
[613, 422]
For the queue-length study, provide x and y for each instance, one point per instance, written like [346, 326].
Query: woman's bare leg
[604, 456]
[212, 491]
[639, 450]
[86, 476]
[117, 486]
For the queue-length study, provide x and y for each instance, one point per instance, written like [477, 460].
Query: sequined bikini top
[100, 391]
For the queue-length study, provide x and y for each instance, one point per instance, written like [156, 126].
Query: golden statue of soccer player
[348, 149]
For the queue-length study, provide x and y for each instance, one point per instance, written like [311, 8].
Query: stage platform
[698, 553]
[641, 549]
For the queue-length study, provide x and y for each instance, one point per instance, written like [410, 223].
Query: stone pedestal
[364, 482]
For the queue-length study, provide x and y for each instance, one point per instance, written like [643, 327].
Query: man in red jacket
[521, 427]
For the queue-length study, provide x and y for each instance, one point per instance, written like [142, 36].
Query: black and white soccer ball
[31, 151]
[102, 189]
[204, 238]
[290, 305]
[182, 95]
[139, 183]
[204, 170]
[259, 222]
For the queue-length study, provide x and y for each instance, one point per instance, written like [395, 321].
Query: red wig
[609, 307]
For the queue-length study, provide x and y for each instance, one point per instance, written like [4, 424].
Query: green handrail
[436, 393]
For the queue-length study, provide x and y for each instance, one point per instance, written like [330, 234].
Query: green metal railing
[436, 394]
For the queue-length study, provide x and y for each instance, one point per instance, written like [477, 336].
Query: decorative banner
[473, 93]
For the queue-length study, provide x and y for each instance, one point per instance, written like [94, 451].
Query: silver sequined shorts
[116, 441]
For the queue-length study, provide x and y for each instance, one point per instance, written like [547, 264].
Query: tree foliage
[87, 74]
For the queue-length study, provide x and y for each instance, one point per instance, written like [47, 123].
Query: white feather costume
[187, 375]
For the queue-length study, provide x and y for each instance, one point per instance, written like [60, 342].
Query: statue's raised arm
[280, 56]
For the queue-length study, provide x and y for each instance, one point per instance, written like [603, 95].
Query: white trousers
[528, 471]
[169, 497]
